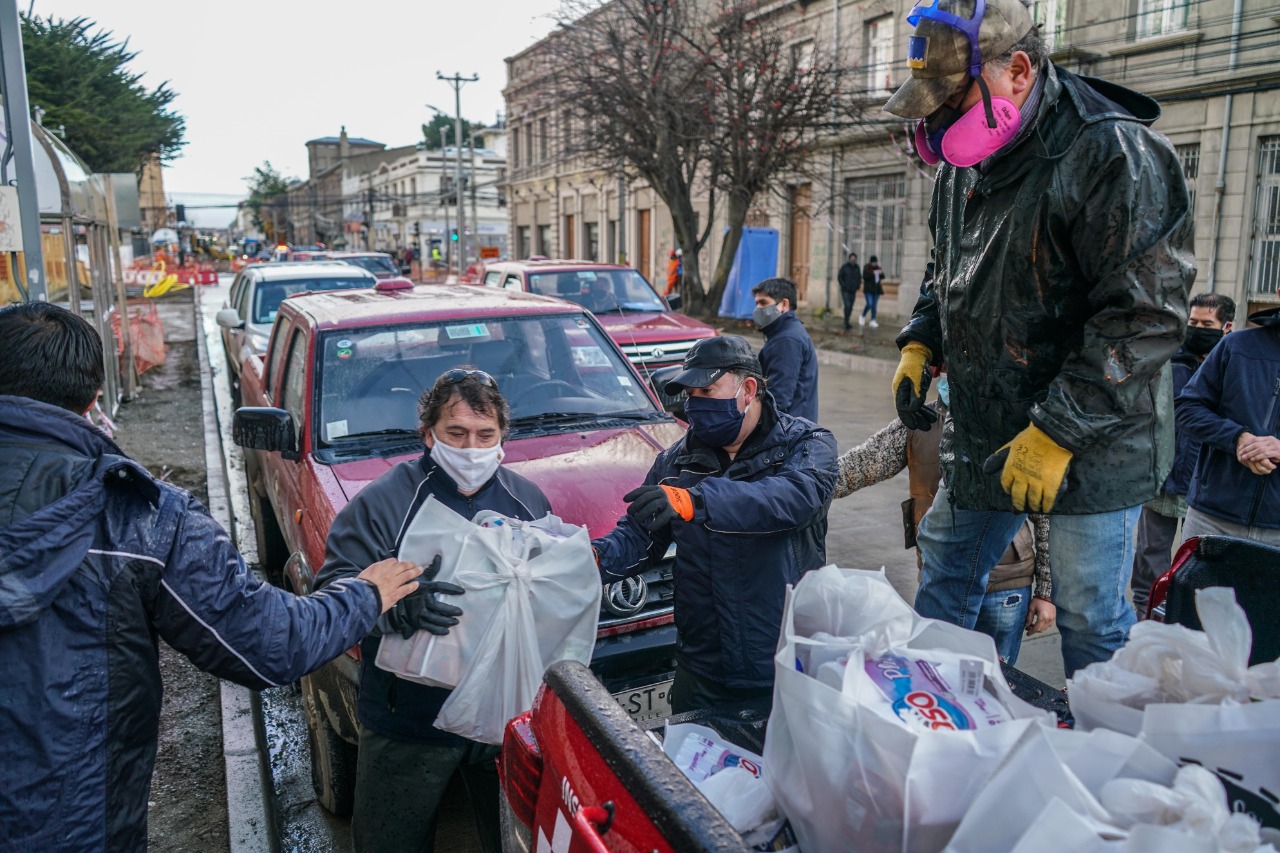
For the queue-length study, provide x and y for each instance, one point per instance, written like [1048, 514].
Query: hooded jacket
[760, 523]
[370, 528]
[97, 559]
[1059, 295]
[790, 366]
[1236, 390]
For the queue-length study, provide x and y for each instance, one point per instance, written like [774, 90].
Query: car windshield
[373, 263]
[556, 368]
[269, 294]
[599, 290]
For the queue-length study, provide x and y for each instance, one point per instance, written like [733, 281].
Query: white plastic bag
[532, 598]
[1192, 696]
[846, 774]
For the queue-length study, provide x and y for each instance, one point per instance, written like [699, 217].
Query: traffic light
[180, 213]
[453, 234]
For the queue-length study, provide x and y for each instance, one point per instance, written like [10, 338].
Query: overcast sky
[257, 78]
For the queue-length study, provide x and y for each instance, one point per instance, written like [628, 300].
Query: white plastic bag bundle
[532, 598]
[1193, 697]
[845, 768]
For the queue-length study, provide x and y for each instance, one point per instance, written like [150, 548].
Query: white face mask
[470, 467]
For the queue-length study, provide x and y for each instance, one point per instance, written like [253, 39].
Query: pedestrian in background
[871, 291]
[1057, 360]
[1019, 590]
[1232, 406]
[788, 358]
[1210, 319]
[850, 278]
[98, 559]
[675, 269]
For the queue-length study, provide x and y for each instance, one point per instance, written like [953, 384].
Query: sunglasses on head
[458, 374]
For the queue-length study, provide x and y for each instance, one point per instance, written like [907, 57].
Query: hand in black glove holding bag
[421, 610]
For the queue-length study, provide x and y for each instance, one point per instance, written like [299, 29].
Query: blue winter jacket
[1186, 446]
[791, 366]
[97, 559]
[1236, 390]
[760, 522]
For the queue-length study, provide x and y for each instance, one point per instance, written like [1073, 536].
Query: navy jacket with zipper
[791, 366]
[1186, 446]
[760, 522]
[97, 559]
[1236, 390]
[370, 528]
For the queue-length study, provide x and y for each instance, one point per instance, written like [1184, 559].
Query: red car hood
[651, 327]
[584, 474]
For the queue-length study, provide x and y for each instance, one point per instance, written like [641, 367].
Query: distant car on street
[379, 263]
[648, 328]
[256, 294]
[335, 404]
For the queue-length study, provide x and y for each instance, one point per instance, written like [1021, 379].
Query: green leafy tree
[431, 133]
[82, 81]
[268, 199]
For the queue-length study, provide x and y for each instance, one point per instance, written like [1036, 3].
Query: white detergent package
[942, 693]
[532, 598]
[731, 778]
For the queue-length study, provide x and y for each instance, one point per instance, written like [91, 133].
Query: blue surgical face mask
[715, 421]
[944, 390]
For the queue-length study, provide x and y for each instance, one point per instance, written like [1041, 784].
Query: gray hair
[1032, 44]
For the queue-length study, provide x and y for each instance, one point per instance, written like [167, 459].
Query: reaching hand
[422, 611]
[393, 579]
[657, 506]
[910, 382]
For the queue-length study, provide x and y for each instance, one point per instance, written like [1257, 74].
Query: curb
[250, 824]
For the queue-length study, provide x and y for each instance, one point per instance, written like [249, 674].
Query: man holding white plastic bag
[405, 762]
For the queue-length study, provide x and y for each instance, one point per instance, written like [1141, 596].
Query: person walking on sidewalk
[98, 560]
[1058, 358]
[872, 290]
[789, 360]
[850, 278]
[1211, 316]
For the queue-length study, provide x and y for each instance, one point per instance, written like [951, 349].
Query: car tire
[273, 553]
[233, 380]
[333, 761]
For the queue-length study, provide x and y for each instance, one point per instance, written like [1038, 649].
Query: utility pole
[475, 220]
[17, 114]
[457, 81]
[444, 199]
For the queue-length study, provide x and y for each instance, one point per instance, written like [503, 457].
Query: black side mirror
[673, 403]
[674, 301]
[263, 428]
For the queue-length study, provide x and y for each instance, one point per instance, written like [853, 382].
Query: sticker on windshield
[474, 330]
[344, 344]
[587, 276]
[582, 322]
[590, 357]
[344, 353]
[624, 381]
[337, 429]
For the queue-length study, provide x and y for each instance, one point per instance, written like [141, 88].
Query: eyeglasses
[458, 374]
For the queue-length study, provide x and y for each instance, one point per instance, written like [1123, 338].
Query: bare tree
[697, 98]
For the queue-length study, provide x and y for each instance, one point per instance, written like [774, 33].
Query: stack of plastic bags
[532, 598]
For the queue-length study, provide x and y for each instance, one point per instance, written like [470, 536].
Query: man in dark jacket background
[1232, 405]
[1062, 268]
[97, 559]
[1211, 316]
[850, 279]
[404, 761]
[744, 496]
[789, 360]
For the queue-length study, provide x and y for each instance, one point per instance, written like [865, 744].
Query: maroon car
[334, 405]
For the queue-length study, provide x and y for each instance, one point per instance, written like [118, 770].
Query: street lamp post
[457, 81]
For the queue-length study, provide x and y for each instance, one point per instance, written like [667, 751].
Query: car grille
[659, 354]
[639, 598]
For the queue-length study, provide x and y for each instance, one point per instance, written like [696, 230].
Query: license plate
[651, 702]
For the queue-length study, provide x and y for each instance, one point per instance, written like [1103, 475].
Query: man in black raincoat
[1062, 267]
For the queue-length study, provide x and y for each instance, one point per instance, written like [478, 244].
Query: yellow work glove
[910, 382]
[1033, 469]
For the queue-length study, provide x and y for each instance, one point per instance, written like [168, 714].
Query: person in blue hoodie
[98, 559]
[1232, 406]
[789, 360]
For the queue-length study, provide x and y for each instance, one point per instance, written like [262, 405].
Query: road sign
[488, 253]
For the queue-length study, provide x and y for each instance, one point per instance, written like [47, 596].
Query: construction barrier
[146, 335]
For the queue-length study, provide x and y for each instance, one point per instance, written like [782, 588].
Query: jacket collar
[1270, 318]
[781, 324]
[768, 434]
[23, 415]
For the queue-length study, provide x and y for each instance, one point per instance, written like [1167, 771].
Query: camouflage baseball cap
[939, 54]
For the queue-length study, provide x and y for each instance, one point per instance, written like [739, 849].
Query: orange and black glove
[657, 506]
[1033, 469]
[910, 382]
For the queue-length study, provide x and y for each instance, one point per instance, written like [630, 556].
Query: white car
[256, 294]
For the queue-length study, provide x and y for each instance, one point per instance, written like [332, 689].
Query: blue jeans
[873, 299]
[1002, 617]
[1091, 558]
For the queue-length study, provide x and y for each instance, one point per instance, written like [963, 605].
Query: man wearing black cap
[1062, 265]
[744, 496]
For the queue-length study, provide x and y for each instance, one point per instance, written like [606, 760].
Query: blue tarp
[756, 260]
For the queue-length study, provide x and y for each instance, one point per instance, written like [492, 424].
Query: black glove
[657, 506]
[421, 610]
[910, 382]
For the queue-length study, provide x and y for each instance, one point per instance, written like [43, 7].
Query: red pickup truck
[332, 404]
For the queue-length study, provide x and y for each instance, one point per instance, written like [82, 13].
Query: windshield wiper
[554, 417]
[375, 433]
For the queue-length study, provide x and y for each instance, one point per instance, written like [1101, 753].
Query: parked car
[379, 263]
[646, 326]
[256, 294]
[335, 405]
